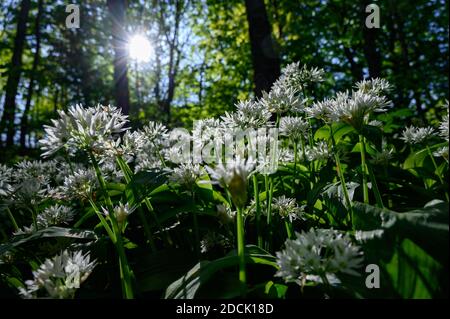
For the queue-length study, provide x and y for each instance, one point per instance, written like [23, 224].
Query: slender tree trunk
[266, 63]
[117, 10]
[354, 67]
[372, 54]
[24, 120]
[15, 70]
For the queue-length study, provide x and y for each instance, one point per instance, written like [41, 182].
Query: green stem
[269, 185]
[127, 174]
[295, 159]
[341, 177]
[376, 191]
[196, 228]
[125, 272]
[241, 250]
[13, 220]
[364, 169]
[258, 211]
[103, 221]
[436, 170]
[288, 226]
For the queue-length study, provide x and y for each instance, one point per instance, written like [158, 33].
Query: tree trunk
[117, 10]
[266, 63]
[373, 56]
[354, 67]
[15, 70]
[24, 120]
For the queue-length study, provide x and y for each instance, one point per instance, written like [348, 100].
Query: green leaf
[143, 184]
[413, 272]
[48, 233]
[187, 286]
[158, 270]
[339, 131]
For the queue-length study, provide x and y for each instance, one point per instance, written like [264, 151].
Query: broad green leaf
[48, 233]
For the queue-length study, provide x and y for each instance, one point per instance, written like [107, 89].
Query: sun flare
[140, 48]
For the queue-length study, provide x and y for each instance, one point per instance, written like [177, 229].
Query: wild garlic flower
[233, 175]
[322, 110]
[81, 184]
[443, 127]
[319, 152]
[414, 135]
[156, 134]
[186, 174]
[25, 230]
[287, 208]
[376, 123]
[355, 109]
[295, 77]
[375, 86]
[5, 180]
[249, 114]
[294, 127]
[442, 152]
[318, 255]
[213, 240]
[55, 215]
[225, 214]
[383, 157]
[281, 100]
[83, 129]
[121, 212]
[59, 277]
[146, 163]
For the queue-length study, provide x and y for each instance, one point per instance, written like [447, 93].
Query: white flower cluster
[414, 135]
[355, 108]
[82, 128]
[213, 240]
[318, 256]
[59, 277]
[294, 128]
[55, 215]
[121, 212]
[186, 174]
[287, 208]
[248, 114]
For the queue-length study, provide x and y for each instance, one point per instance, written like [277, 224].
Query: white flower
[83, 129]
[225, 173]
[355, 110]
[319, 152]
[442, 152]
[295, 77]
[316, 255]
[156, 134]
[322, 110]
[225, 214]
[281, 100]
[121, 212]
[5, 180]
[233, 175]
[374, 86]
[213, 240]
[287, 208]
[55, 215]
[413, 135]
[60, 276]
[443, 127]
[186, 174]
[81, 184]
[249, 114]
[294, 127]
[383, 157]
